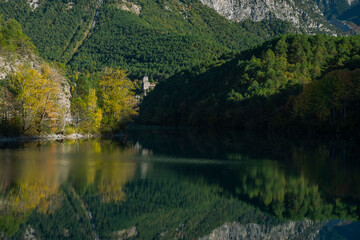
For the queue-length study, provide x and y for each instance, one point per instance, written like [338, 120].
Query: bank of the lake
[52, 137]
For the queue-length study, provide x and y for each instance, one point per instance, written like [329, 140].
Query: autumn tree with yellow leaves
[86, 114]
[36, 94]
[117, 99]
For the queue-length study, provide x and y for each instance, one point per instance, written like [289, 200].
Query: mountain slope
[258, 88]
[304, 15]
[161, 38]
[53, 26]
[154, 37]
[343, 14]
[352, 15]
[335, 8]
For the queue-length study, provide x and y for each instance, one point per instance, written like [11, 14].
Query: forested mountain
[54, 26]
[352, 15]
[154, 37]
[166, 37]
[288, 81]
[160, 38]
[336, 8]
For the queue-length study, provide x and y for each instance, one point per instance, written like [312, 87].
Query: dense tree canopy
[160, 42]
[55, 26]
[12, 38]
[256, 88]
[117, 99]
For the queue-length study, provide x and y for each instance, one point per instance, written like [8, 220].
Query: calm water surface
[181, 184]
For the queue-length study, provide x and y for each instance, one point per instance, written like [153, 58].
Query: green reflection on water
[49, 189]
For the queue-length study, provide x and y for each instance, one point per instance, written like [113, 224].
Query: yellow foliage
[95, 113]
[36, 95]
[117, 92]
[87, 114]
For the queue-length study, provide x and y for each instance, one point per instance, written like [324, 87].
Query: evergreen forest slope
[54, 26]
[161, 42]
[157, 38]
[292, 80]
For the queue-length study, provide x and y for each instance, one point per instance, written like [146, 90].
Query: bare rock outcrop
[305, 15]
[305, 230]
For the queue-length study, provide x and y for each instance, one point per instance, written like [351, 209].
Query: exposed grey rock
[128, 6]
[125, 234]
[66, 232]
[305, 15]
[305, 230]
[34, 4]
[30, 234]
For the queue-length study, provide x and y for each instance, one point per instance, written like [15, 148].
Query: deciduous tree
[117, 97]
[36, 97]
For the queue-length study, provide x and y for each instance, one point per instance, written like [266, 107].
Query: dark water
[181, 184]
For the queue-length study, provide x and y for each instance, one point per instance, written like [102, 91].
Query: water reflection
[177, 184]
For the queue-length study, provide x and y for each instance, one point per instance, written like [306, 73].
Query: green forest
[164, 38]
[55, 26]
[289, 81]
[161, 43]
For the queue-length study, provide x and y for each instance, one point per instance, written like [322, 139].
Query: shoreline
[52, 137]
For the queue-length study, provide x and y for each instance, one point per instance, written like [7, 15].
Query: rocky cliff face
[305, 15]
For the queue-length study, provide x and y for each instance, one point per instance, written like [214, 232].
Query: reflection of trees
[322, 170]
[36, 176]
[105, 164]
[175, 209]
[288, 196]
[33, 184]
[333, 165]
[32, 176]
[112, 178]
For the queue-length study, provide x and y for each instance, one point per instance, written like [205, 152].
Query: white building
[147, 85]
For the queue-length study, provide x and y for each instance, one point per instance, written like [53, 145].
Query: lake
[181, 184]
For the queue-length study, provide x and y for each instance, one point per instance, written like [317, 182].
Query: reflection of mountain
[168, 209]
[290, 230]
[187, 209]
[289, 178]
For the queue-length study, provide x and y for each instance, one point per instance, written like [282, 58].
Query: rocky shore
[52, 137]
